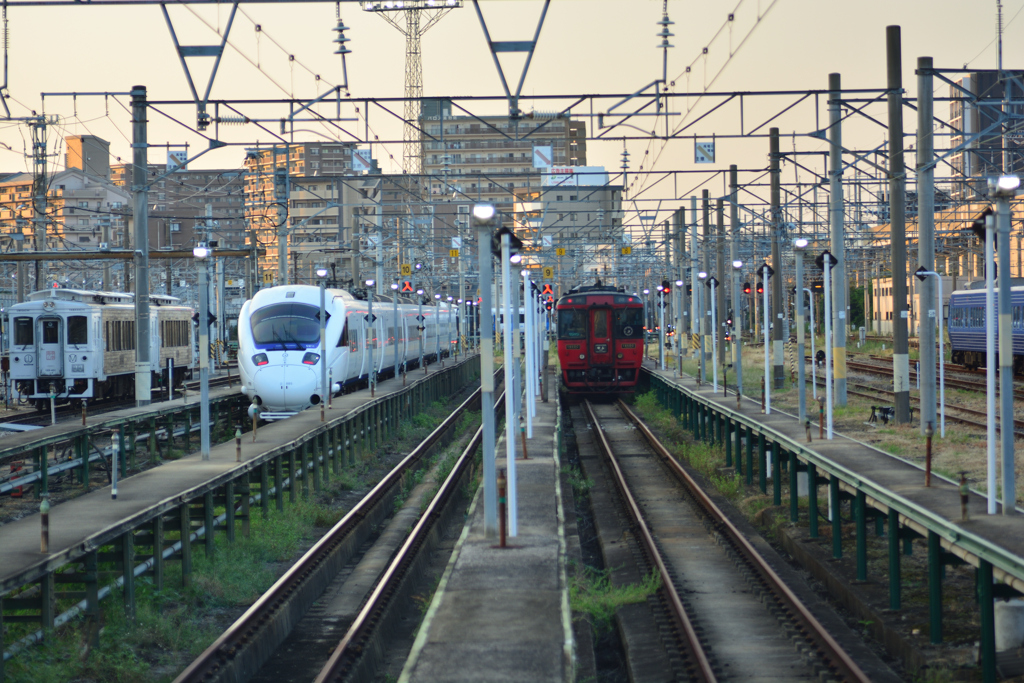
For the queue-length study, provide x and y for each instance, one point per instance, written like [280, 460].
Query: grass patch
[579, 483]
[592, 595]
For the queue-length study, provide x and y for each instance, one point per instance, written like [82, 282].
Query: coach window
[78, 329]
[572, 323]
[22, 331]
[628, 322]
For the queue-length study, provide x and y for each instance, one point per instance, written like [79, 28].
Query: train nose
[285, 388]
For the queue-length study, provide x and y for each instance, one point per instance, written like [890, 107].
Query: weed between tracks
[174, 625]
[592, 594]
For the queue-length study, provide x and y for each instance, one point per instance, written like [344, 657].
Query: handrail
[1000, 558]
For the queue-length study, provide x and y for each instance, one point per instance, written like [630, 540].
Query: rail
[219, 654]
[352, 647]
[678, 610]
[812, 627]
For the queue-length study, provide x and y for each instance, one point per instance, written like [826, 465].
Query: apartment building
[489, 158]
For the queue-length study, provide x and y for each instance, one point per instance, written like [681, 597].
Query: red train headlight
[619, 356]
[583, 356]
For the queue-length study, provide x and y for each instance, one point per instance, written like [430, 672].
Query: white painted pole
[814, 363]
[528, 322]
[828, 348]
[990, 360]
[767, 374]
[714, 341]
[942, 367]
[510, 396]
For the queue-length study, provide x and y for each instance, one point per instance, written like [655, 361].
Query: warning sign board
[560, 251]
[626, 251]
[454, 253]
[406, 269]
[549, 272]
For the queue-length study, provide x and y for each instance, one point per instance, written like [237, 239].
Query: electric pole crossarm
[512, 46]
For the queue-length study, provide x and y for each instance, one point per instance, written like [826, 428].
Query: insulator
[232, 120]
[341, 39]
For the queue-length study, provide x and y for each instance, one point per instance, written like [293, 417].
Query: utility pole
[737, 301]
[926, 239]
[897, 218]
[837, 230]
[778, 359]
[140, 217]
[39, 188]
[282, 193]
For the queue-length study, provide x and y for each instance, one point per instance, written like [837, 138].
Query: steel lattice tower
[420, 16]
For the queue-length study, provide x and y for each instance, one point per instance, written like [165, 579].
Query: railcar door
[50, 347]
[601, 352]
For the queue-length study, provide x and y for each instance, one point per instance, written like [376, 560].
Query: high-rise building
[489, 158]
[973, 113]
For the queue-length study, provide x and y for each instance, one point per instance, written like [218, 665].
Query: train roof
[93, 296]
[581, 297]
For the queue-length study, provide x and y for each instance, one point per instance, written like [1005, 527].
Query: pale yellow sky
[586, 47]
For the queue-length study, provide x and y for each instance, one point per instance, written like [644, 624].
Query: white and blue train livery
[969, 330]
[279, 343]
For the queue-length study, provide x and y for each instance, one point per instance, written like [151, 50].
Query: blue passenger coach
[968, 329]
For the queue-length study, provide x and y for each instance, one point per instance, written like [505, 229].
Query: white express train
[279, 343]
[82, 343]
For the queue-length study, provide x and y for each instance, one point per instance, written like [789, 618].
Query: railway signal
[407, 286]
[746, 288]
[760, 288]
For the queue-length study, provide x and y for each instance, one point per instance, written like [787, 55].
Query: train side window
[78, 329]
[628, 322]
[23, 331]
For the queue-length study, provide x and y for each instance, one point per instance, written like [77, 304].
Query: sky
[586, 47]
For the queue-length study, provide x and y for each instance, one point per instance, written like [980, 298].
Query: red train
[600, 340]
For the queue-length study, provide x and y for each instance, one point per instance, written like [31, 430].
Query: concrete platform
[903, 478]
[502, 615]
[93, 519]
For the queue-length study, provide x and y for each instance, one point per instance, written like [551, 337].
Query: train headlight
[260, 359]
[619, 356]
[583, 356]
[310, 358]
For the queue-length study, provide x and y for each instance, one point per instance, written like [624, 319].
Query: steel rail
[679, 611]
[227, 646]
[352, 645]
[813, 630]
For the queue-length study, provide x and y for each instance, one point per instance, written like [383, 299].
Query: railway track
[247, 648]
[717, 587]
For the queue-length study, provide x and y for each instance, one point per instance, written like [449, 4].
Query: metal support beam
[837, 231]
[778, 362]
[140, 216]
[897, 224]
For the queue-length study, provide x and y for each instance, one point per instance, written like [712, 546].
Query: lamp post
[370, 320]
[528, 324]
[647, 293]
[420, 327]
[737, 316]
[799, 246]
[484, 217]
[678, 332]
[437, 300]
[394, 323]
[702, 374]
[766, 273]
[661, 327]
[712, 283]
[448, 335]
[201, 253]
[1002, 190]
[321, 274]
[511, 395]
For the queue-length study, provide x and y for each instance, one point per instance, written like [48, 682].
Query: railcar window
[628, 322]
[51, 332]
[572, 323]
[78, 329]
[284, 324]
[23, 331]
[601, 323]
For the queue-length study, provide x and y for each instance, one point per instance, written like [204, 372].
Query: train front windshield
[628, 322]
[572, 323]
[286, 324]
